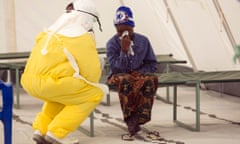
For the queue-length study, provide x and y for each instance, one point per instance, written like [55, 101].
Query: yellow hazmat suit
[62, 71]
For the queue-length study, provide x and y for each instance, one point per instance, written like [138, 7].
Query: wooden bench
[180, 78]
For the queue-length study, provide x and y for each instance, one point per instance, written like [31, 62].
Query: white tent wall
[231, 11]
[156, 24]
[206, 41]
[152, 20]
[106, 11]
[198, 21]
[33, 17]
[7, 26]
[194, 32]
[3, 39]
[200, 27]
[40, 14]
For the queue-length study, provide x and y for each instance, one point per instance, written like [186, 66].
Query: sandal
[156, 133]
[154, 136]
[127, 137]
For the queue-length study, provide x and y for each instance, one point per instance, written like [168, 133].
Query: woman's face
[121, 28]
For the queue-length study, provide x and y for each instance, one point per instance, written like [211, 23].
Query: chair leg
[8, 129]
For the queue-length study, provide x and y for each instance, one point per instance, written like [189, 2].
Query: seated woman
[132, 64]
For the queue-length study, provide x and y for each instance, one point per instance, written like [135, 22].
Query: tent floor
[220, 121]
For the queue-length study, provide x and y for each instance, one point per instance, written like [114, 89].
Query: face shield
[89, 13]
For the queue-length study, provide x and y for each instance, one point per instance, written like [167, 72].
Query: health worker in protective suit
[63, 70]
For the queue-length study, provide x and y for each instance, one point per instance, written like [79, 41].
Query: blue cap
[124, 16]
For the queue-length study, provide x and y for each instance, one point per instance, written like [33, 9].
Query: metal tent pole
[180, 36]
[225, 24]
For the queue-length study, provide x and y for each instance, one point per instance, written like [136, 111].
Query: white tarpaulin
[203, 32]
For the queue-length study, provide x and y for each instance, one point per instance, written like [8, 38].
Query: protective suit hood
[76, 22]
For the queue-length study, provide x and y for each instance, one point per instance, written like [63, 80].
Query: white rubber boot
[54, 140]
[39, 138]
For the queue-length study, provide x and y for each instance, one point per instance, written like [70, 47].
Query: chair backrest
[6, 113]
[6, 89]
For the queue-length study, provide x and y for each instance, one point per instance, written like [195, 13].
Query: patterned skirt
[136, 94]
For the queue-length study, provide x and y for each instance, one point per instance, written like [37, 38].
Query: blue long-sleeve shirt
[143, 60]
